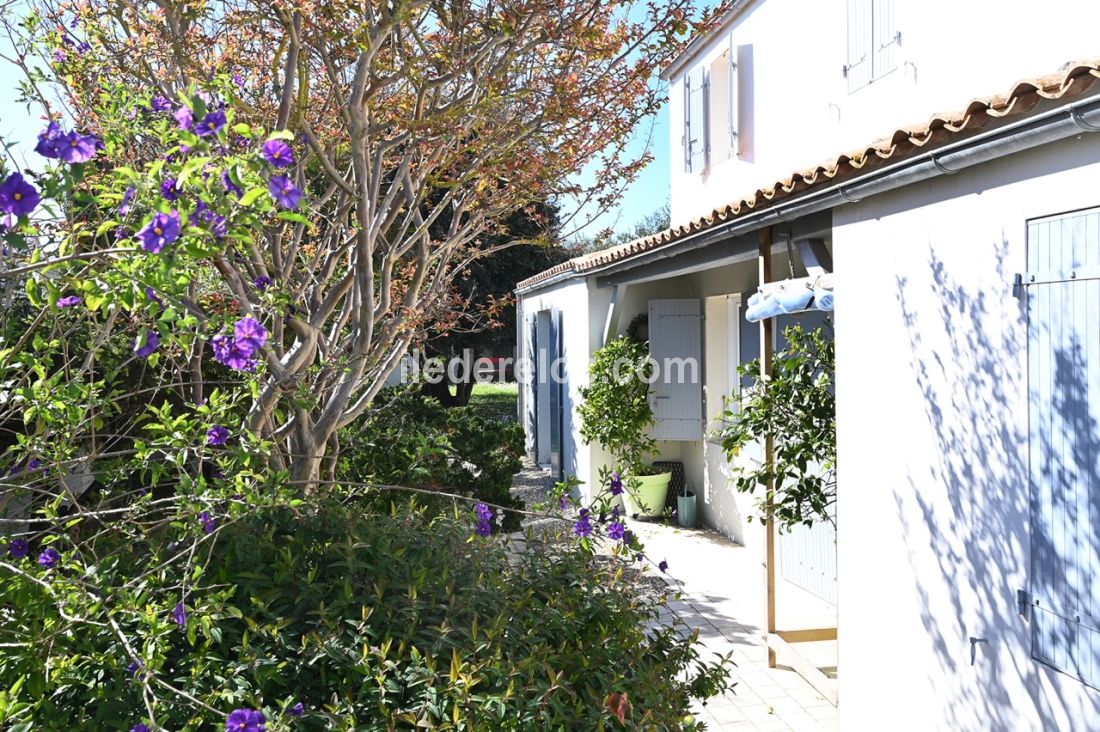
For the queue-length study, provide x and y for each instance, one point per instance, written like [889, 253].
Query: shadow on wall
[970, 510]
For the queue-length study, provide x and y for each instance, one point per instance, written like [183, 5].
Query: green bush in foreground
[370, 623]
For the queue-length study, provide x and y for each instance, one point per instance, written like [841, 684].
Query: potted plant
[615, 413]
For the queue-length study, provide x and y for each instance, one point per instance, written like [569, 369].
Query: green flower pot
[648, 498]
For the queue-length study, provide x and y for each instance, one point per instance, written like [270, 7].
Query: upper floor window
[711, 112]
[873, 39]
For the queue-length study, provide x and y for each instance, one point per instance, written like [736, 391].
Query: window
[1062, 293]
[873, 39]
[711, 112]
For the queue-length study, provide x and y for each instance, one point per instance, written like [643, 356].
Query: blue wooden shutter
[557, 402]
[884, 39]
[1062, 289]
[530, 390]
[696, 129]
[676, 345]
[732, 90]
[687, 121]
[858, 69]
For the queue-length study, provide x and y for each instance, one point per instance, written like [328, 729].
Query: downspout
[1053, 126]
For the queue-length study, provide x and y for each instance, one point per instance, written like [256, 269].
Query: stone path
[712, 574]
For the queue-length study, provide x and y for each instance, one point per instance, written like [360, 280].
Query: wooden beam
[803, 667]
[767, 348]
[807, 635]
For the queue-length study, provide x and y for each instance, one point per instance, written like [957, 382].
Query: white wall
[796, 109]
[932, 438]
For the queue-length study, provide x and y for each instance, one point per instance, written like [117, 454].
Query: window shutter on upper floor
[687, 122]
[858, 69]
[731, 98]
[676, 345]
[884, 38]
[695, 124]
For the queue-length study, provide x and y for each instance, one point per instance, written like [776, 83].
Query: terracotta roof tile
[940, 129]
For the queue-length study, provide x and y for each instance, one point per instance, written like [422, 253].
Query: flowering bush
[339, 619]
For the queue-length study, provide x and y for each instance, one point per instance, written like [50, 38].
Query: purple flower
[139, 727]
[133, 667]
[49, 558]
[17, 196]
[78, 148]
[297, 710]
[170, 189]
[230, 186]
[68, 301]
[124, 204]
[283, 191]
[484, 513]
[152, 295]
[161, 231]
[583, 526]
[278, 153]
[183, 117]
[211, 124]
[179, 615]
[228, 352]
[48, 140]
[249, 335]
[207, 522]
[245, 720]
[59, 55]
[160, 104]
[150, 345]
[483, 528]
[18, 548]
[616, 484]
[615, 530]
[563, 502]
[262, 283]
[217, 435]
[238, 80]
[663, 566]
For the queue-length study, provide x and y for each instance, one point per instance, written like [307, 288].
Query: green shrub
[411, 440]
[796, 408]
[372, 623]
[615, 410]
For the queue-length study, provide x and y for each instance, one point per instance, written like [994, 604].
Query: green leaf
[251, 196]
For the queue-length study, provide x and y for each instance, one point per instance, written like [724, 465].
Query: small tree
[796, 408]
[417, 128]
[615, 410]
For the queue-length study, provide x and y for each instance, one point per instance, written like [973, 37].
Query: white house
[966, 260]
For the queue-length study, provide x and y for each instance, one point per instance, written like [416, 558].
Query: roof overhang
[1036, 113]
[699, 44]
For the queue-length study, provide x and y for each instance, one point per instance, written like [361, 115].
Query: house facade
[965, 250]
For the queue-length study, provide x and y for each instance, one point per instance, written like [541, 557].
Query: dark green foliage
[797, 409]
[373, 623]
[411, 440]
[615, 410]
